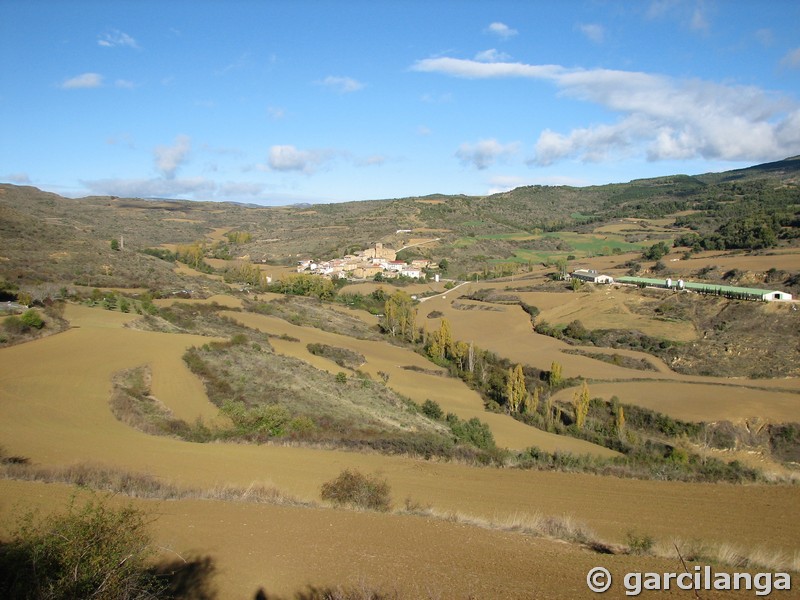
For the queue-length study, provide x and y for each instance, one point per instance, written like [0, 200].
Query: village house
[366, 265]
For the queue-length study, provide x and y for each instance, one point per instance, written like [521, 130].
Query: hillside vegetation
[320, 437]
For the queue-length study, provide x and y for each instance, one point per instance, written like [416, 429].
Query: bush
[14, 325]
[31, 318]
[432, 410]
[639, 544]
[352, 488]
[91, 551]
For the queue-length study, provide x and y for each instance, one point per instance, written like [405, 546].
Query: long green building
[728, 291]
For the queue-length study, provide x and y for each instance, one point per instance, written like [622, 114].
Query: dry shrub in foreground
[91, 551]
[352, 488]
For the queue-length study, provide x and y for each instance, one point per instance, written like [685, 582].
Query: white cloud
[196, 187]
[169, 158]
[501, 30]
[343, 85]
[289, 158]
[374, 160]
[699, 21]
[471, 69]
[765, 37]
[660, 8]
[690, 13]
[238, 190]
[85, 80]
[593, 31]
[792, 59]
[18, 178]
[484, 153]
[491, 55]
[117, 38]
[659, 116]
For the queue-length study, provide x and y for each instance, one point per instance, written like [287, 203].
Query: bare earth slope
[63, 418]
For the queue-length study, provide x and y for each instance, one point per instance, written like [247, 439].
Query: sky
[279, 102]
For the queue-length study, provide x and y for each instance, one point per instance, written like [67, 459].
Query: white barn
[592, 276]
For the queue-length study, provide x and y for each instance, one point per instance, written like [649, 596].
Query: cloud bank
[659, 116]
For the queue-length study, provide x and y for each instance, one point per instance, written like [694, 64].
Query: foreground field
[64, 419]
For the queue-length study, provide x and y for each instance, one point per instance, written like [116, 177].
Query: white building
[592, 276]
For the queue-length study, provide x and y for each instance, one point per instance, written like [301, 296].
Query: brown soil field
[509, 333]
[218, 234]
[54, 409]
[697, 402]
[221, 299]
[788, 260]
[609, 308]
[289, 549]
[411, 289]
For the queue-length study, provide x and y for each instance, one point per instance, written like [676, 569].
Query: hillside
[169, 352]
[60, 239]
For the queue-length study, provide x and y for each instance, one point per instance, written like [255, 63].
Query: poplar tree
[555, 374]
[581, 400]
[515, 388]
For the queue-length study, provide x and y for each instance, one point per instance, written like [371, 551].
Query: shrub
[431, 409]
[31, 318]
[639, 544]
[14, 325]
[352, 488]
[91, 551]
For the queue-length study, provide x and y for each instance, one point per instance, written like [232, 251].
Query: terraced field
[63, 418]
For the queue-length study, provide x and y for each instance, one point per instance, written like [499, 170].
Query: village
[377, 261]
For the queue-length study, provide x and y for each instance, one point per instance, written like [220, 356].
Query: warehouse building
[728, 291]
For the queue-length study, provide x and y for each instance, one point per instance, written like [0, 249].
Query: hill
[68, 240]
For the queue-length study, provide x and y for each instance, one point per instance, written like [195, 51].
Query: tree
[115, 244]
[533, 402]
[516, 392]
[656, 251]
[581, 401]
[620, 424]
[561, 265]
[443, 265]
[400, 316]
[554, 379]
[440, 343]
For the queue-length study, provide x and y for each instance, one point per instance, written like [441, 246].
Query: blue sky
[278, 102]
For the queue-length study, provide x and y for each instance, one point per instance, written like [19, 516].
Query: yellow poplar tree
[581, 400]
[515, 388]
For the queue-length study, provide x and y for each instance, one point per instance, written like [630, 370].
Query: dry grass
[564, 527]
[729, 555]
[142, 485]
